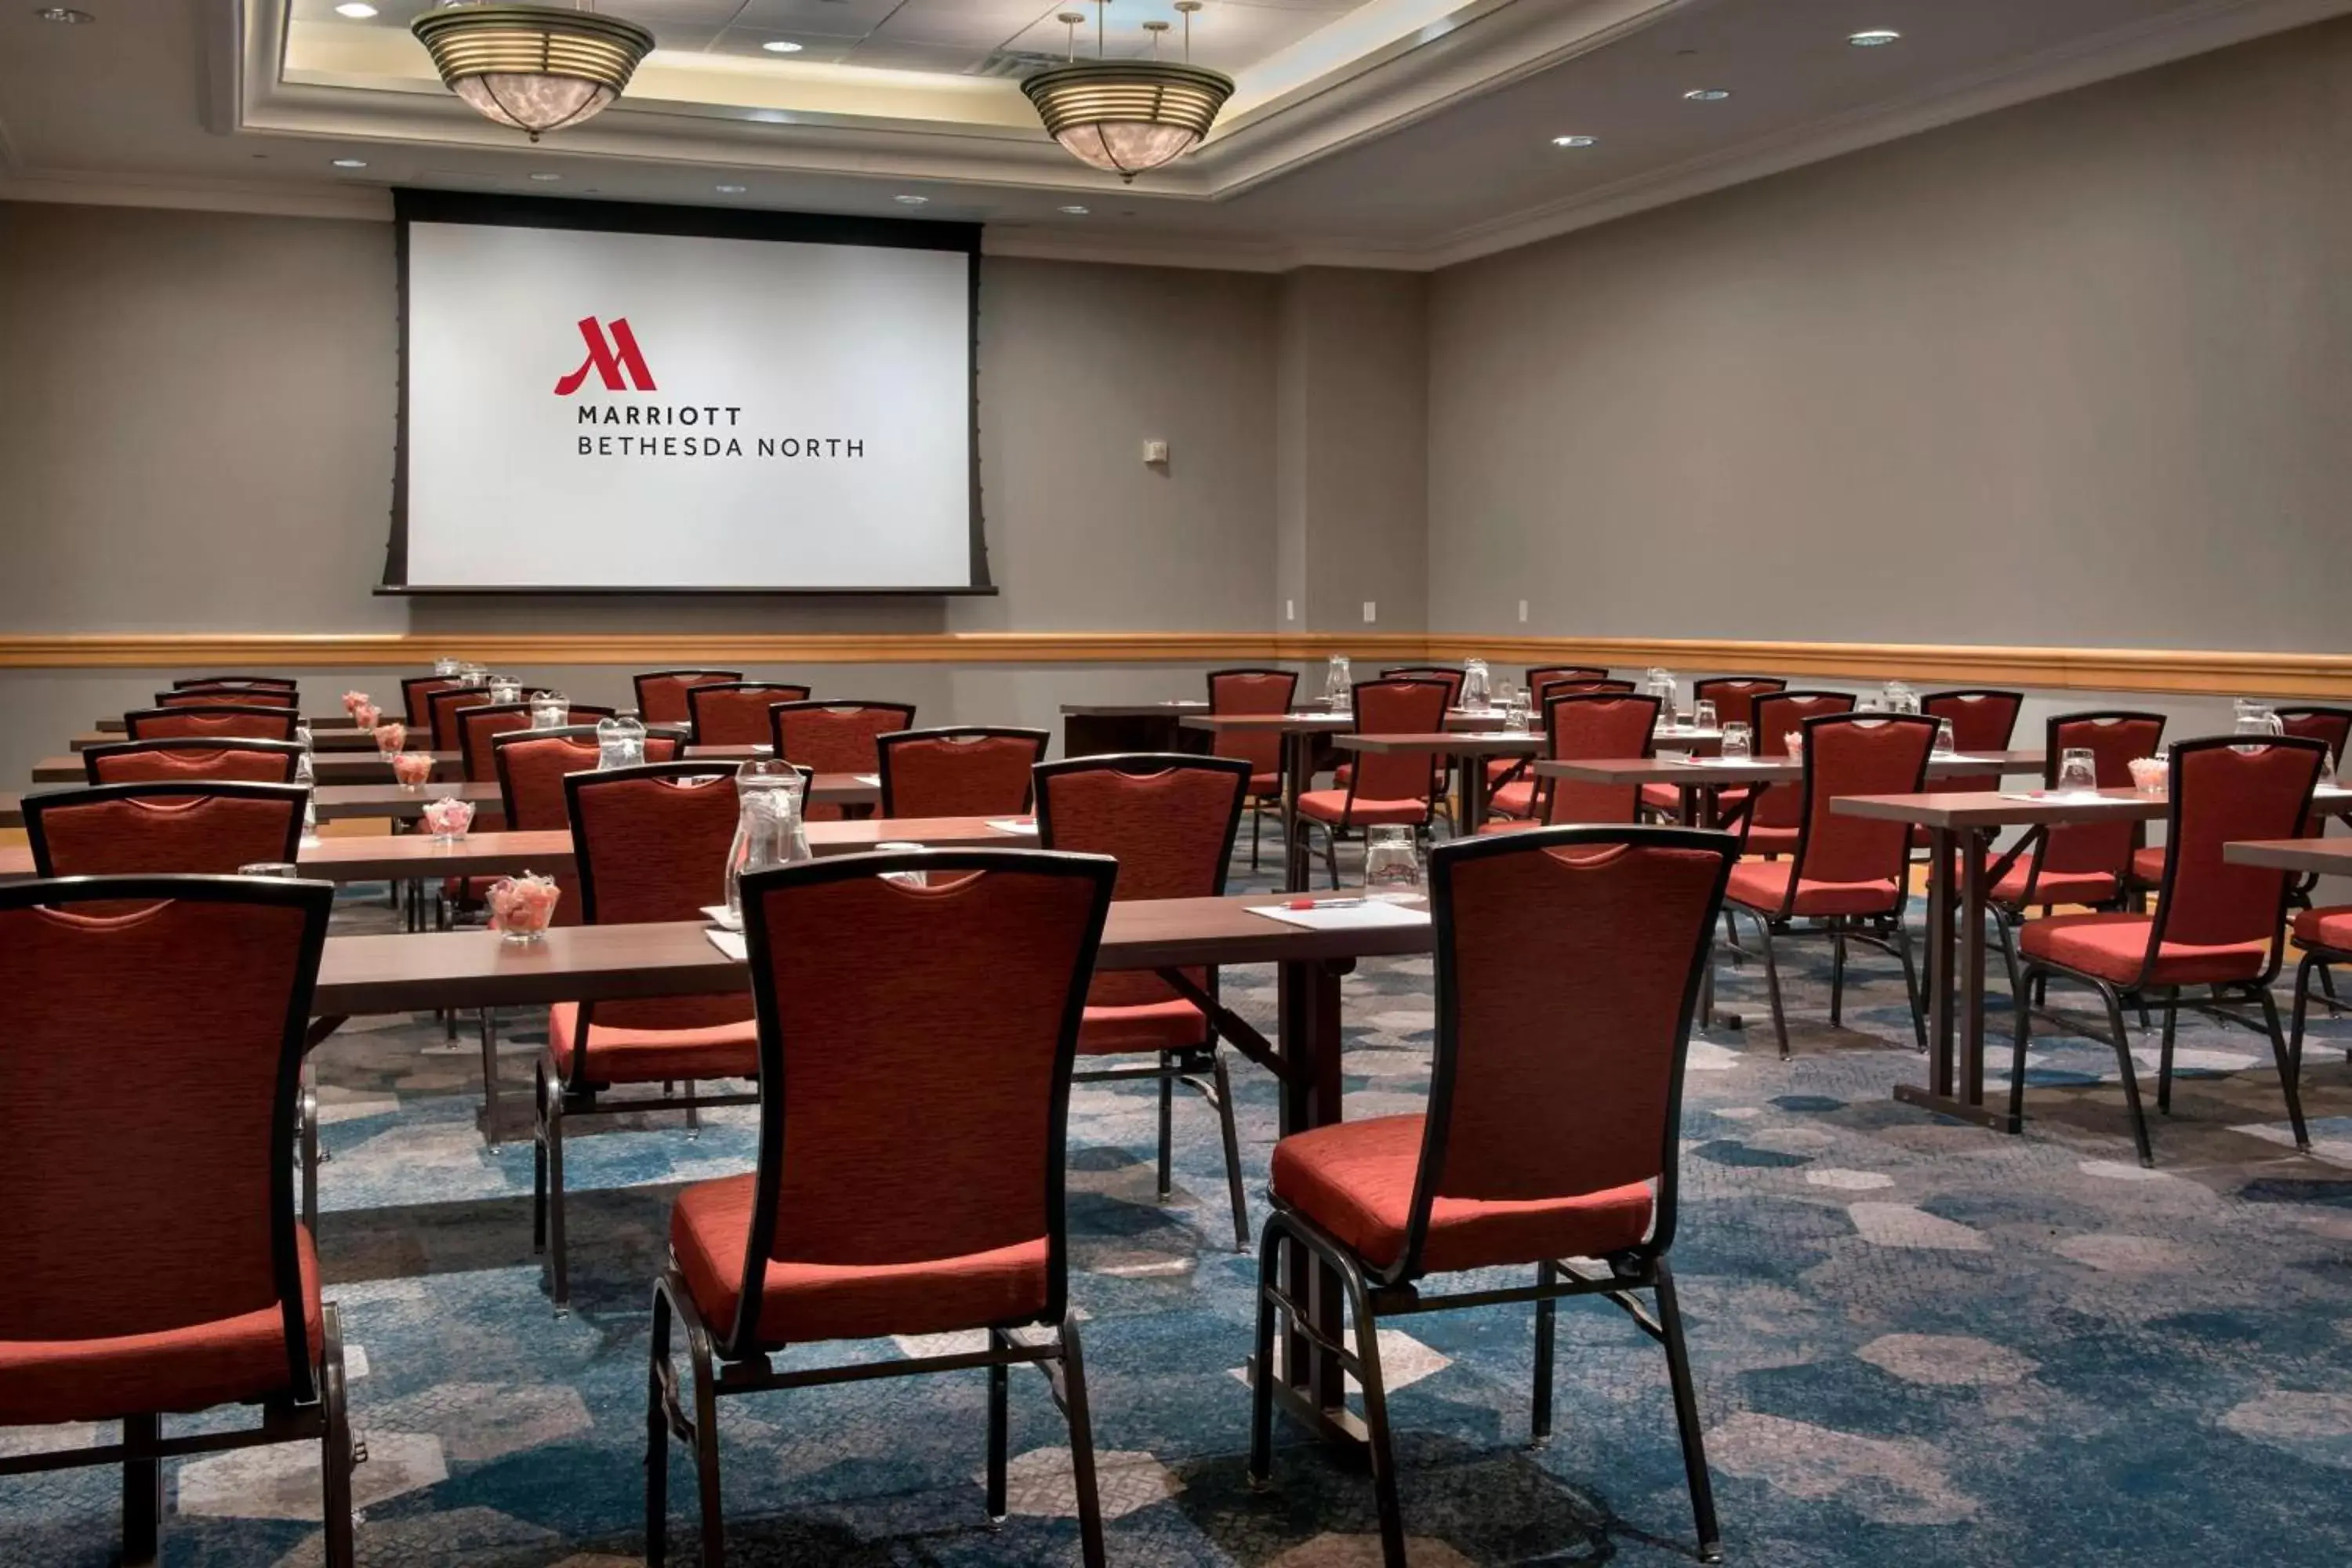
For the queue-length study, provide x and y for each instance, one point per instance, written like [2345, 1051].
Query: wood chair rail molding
[2183, 672]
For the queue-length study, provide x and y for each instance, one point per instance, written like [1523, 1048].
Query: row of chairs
[1567, 965]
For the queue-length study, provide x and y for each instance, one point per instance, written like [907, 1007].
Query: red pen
[1324, 903]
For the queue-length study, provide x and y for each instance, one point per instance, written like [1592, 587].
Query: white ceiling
[1390, 133]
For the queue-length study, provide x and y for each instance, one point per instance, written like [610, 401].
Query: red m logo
[608, 360]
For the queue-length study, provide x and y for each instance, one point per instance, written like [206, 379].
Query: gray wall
[2076, 372]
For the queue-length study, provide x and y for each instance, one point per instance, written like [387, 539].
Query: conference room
[1297, 784]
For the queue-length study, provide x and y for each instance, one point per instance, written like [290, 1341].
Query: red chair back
[1774, 714]
[650, 843]
[214, 721]
[180, 1024]
[1982, 721]
[735, 712]
[1538, 675]
[442, 709]
[1252, 692]
[479, 723]
[2223, 791]
[1167, 820]
[1588, 727]
[1859, 754]
[269, 682]
[210, 696]
[2331, 727]
[191, 758]
[834, 737]
[661, 693]
[969, 771]
[1735, 696]
[1542, 693]
[415, 698]
[127, 830]
[1401, 706]
[530, 765]
[1446, 673]
[2113, 741]
[917, 1109]
[1567, 966]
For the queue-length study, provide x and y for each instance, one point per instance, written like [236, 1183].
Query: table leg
[1956, 968]
[1297, 756]
[1972, 848]
[1477, 792]
[1312, 1390]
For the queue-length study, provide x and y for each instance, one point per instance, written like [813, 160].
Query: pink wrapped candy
[412, 768]
[366, 714]
[2150, 775]
[523, 907]
[355, 700]
[1795, 740]
[449, 817]
[390, 737]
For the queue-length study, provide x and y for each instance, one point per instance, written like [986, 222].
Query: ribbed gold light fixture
[534, 68]
[1128, 116]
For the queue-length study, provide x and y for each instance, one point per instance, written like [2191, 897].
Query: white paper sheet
[729, 943]
[1012, 825]
[717, 915]
[1723, 761]
[1347, 916]
[874, 779]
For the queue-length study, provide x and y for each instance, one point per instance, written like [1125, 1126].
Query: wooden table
[1098, 728]
[464, 970]
[328, 767]
[1471, 747]
[2316, 857]
[401, 858]
[382, 802]
[110, 727]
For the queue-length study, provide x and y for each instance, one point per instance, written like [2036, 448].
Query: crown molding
[2118, 52]
[259, 198]
[1208, 253]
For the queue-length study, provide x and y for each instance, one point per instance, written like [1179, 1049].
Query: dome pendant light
[534, 68]
[1128, 116]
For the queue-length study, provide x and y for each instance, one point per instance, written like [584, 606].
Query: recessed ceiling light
[910, 200]
[728, 190]
[545, 177]
[1708, 94]
[355, 10]
[66, 14]
[1873, 37]
[351, 162]
[1074, 210]
[1574, 140]
[782, 47]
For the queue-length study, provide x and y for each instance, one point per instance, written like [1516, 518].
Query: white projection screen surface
[601, 409]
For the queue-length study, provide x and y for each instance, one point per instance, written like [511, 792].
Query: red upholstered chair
[2332, 727]
[1540, 693]
[2080, 863]
[661, 693]
[2326, 937]
[190, 757]
[1583, 726]
[834, 738]
[190, 826]
[211, 696]
[266, 682]
[1254, 691]
[911, 1144]
[479, 722]
[442, 709]
[1170, 822]
[416, 694]
[178, 1281]
[2216, 924]
[1983, 721]
[215, 721]
[1540, 675]
[1770, 816]
[1384, 788]
[1734, 697]
[649, 844]
[735, 712]
[1447, 673]
[969, 770]
[1568, 963]
[1848, 875]
[531, 766]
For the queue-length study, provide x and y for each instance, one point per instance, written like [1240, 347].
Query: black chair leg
[1377, 1444]
[1263, 1370]
[2289, 1063]
[1772, 986]
[1331, 855]
[1911, 986]
[142, 1492]
[2301, 1009]
[2122, 1043]
[1837, 979]
[1678, 1371]
[2017, 1052]
[1546, 1275]
[559, 1263]
[490, 1079]
[657, 1437]
[335, 1457]
[1224, 1087]
[2164, 1055]
[1082, 1445]
[999, 1438]
[1257, 832]
[1167, 1173]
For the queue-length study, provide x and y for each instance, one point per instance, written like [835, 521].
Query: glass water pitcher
[1338, 683]
[620, 743]
[1477, 690]
[768, 827]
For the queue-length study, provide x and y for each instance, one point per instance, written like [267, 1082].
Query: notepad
[874, 779]
[722, 916]
[1347, 916]
[2047, 797]
[729, 943]
[1721, 761]
[1965, 757]
[1015, 825]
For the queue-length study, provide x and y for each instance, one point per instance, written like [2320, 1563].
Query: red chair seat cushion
[1771, 840]
[1343, 774]
[1516, 798]
[1169, 1025]
[193, 1368]
[1501, 768]
[1331, 806]
[1509, 824]
[1355, 1180]
[1662, 798]
[1265, 783]
[2324, 927]
[2056, 888]
[2148, 865]
[711, 1226]
[2111, 946]
[1763, 884]
[651, 1055]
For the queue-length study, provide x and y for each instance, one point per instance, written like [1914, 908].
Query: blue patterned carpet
[1915, 1342]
